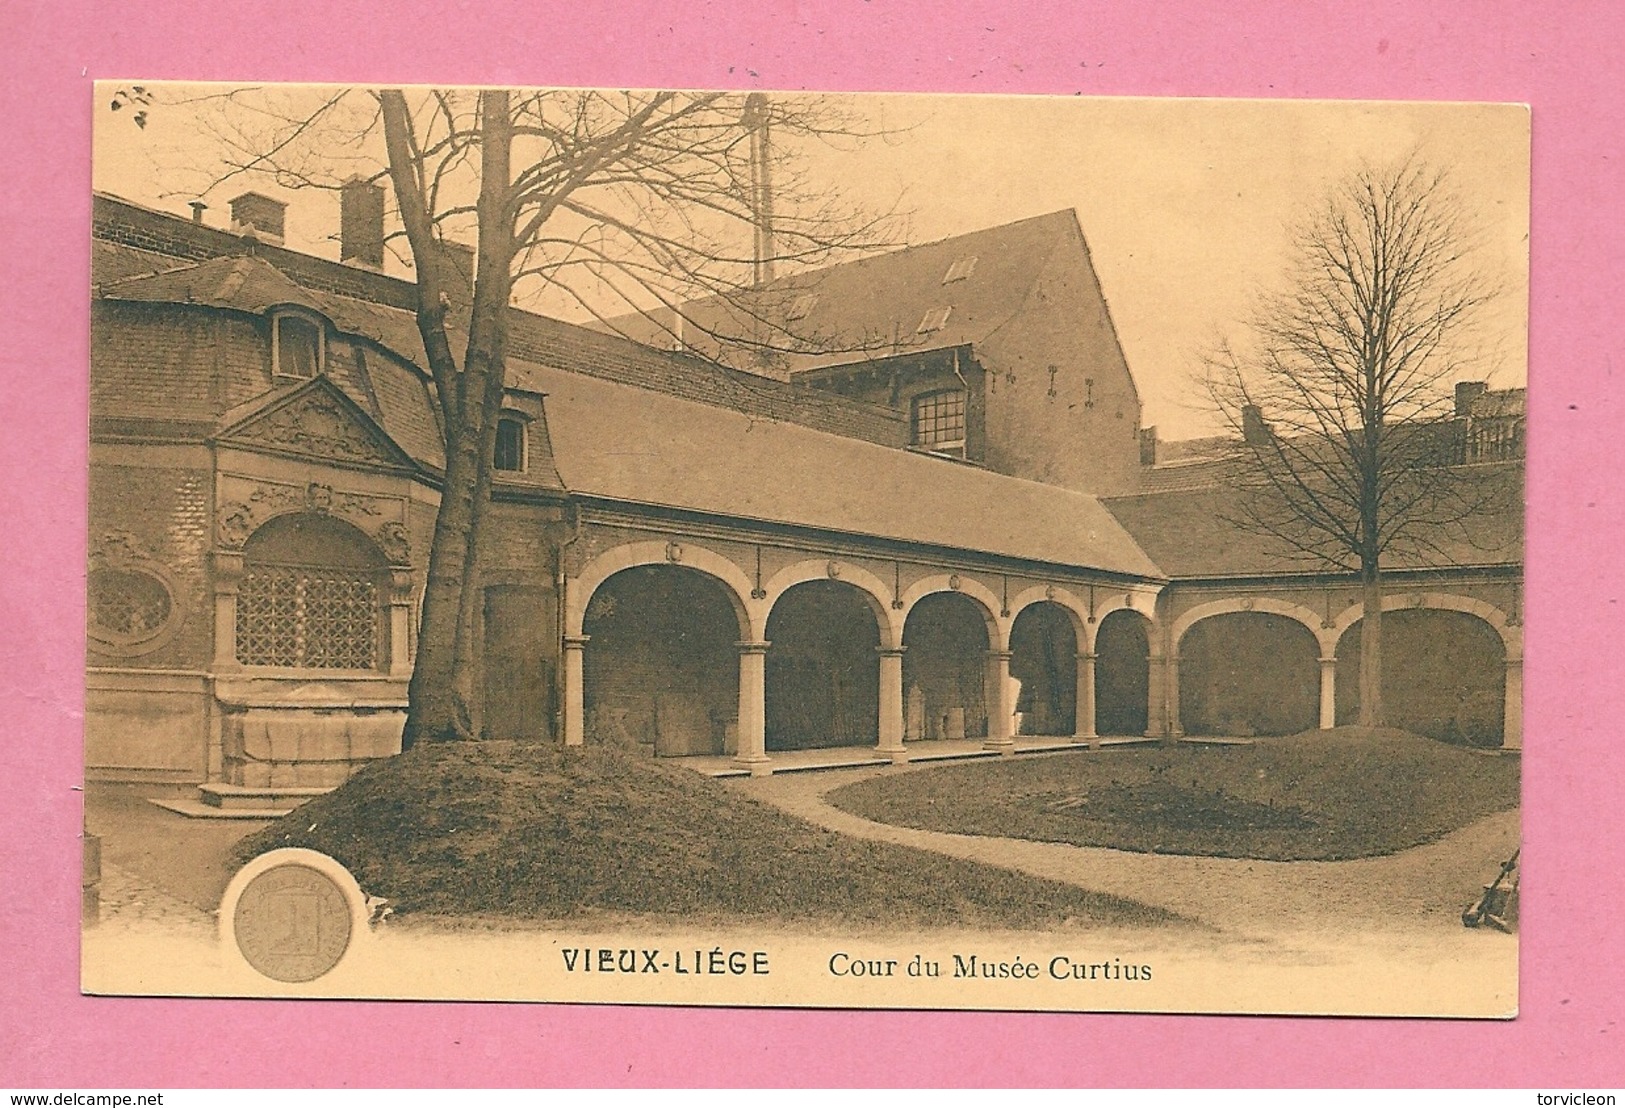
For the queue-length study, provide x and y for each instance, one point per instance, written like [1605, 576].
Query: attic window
[801, 307]
[938, 422]
[935, 320]
[509, 455]
[296, 346]
[961, 269]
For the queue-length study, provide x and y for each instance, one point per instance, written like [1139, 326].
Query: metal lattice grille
[318, 619]
[939, 419]
[127, 604]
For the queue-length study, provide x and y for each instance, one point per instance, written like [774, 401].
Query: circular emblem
[292, 923]
[293, 914]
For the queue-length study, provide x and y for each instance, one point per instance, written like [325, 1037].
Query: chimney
[1466, 393]
[1148, 446]
[1254, 431]
[258, 213]
[361, 223]
[198, 208]
[454, 265]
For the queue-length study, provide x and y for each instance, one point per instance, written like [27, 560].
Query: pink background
[1563, 58]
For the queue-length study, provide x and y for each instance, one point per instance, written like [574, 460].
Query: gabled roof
[639, 447]
[315, 420]
[875, 306]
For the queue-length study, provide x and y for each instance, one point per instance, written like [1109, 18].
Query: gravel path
[1423, 889]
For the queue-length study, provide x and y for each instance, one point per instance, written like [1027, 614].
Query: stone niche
[315, 735]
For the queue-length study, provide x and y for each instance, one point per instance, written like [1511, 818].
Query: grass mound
[517, 830]
[1352, 792]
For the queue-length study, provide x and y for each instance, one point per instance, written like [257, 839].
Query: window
[128, 607]
[311, 596]
[509, 455]
[935, 320]
[296, 347]
[961, 269]
[939, 420]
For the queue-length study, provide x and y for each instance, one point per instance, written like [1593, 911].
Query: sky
[1185, 204]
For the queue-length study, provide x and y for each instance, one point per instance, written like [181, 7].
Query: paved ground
[1419, 890]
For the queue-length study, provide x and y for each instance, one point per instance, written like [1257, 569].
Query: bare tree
[1339, 395]
[630, 199]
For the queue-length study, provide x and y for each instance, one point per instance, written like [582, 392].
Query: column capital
[1328, 659]
[1001, 655]
[576, 642]
[1088, 656]
[751, 647]
[890, 651]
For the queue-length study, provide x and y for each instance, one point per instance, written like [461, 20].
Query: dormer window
[961, 269]
[297, 346]
[935, 320]
[509, 455]
[938, 422]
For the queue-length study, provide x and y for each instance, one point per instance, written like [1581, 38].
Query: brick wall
[167, 510]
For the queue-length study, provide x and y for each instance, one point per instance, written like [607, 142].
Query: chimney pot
[1466, 393]
[1254, 430]
[198, 208]
[1148, 446]
[361, 223]
[265, 216]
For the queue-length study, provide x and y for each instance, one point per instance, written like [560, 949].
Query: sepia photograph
[1017, 553]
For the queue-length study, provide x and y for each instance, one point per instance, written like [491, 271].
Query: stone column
[1512, 733]
[228, 574]
[1171, 666]
[998, 710]
[752, 751]
[1156, 724]
[891, 703]
[1328, 693]
[575, 706]
[400, 621]
[1083, 724]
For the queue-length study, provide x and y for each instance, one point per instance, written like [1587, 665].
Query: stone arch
[874, 591]
[1246, 671]
[987, 602]
[1123, 677]
[821, 671]
[660, 660]
[1064, 599]
[1264, 605]
[737, 586]
[1511, 634]
[1047, 637]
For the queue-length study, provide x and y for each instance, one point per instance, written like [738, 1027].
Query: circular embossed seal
[292, 914]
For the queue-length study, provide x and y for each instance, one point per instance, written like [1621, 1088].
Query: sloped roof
[1192, 532]
[874, 306]
[636, 446]
[246, 283]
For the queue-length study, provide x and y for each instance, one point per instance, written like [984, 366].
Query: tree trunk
[1371, 710]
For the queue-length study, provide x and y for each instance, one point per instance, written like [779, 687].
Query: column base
[1086, 740]
[758, 767]
[1006, 745]
[898, 755]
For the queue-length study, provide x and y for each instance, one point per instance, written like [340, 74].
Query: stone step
[194, 809]
[258, 798]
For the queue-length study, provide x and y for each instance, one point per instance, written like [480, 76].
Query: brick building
[942, 529]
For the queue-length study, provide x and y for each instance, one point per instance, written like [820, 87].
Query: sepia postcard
[777, 549]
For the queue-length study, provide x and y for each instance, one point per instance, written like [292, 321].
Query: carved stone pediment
[322, 424]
